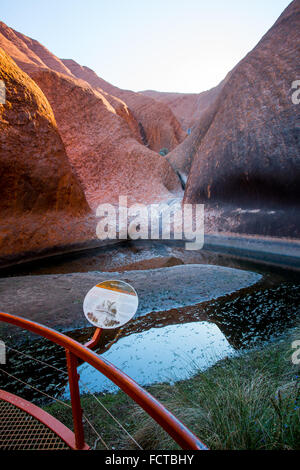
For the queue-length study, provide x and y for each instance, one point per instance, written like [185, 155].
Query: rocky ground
[56, 300]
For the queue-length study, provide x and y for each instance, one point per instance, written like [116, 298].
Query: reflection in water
[167, 343]
[165, 354]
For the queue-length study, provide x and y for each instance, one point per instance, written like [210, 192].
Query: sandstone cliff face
[38, 187]
[153, 123]
[188, 108]
[90, 77]
[181, 158]
[247, 147]
[158, 127]
[101, 147]
[28, 53]
[157, 123]
[105, 142]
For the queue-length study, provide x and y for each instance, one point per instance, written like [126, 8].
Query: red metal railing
[74, 350]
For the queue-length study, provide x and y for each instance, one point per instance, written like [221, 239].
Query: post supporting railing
[95, 339]
[172, 425]
[75, 399]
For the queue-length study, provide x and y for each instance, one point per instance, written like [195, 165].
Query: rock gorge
[104, 141]
[70, 140]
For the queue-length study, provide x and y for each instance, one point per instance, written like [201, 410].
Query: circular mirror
[110, 304]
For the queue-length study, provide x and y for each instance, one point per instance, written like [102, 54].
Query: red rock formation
[156, 121]
[182, 156]
[104, 152]
[28, 53]
[246, 147]
[119, 105]
[153, 122]
[158, 126]
[103, 139]
[188, 108]
[193, 110]
[40, 195]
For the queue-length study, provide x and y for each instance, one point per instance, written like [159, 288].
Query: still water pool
[189, 317]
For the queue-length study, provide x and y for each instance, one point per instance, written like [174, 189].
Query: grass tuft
[247, 402]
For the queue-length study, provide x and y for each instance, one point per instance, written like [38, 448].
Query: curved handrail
[172, 425]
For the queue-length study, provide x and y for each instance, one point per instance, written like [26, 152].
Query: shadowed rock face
[181, 158]
[35, 174]
[195, 113]
[246, 146]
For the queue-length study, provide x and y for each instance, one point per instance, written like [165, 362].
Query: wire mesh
[21, 431]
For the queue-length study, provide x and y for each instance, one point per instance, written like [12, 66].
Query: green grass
[248, 402]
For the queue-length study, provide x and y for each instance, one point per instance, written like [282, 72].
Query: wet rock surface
[221, 310]
[242, 319]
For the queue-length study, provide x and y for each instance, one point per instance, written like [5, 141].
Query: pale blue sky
[166, 45]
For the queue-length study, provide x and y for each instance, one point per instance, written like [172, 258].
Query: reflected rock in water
[167, 354]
